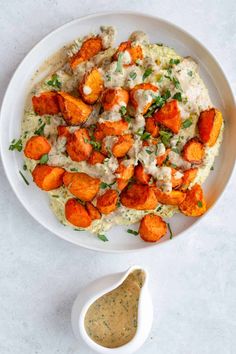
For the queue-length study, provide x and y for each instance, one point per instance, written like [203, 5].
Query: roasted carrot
[194, 204]
[114, 98]
[123, 145]
[139, 197]
[193, 151]
[169, 116]
[92, 211]
[107, 202]
[46, 103]
[209, 125]
[152, 228]
[76, 213]
[48, 177]
[161, 158]
[36, 147]
[113, 128]
[62, 130]
[140, 90]
[176, 181]
[91, 86]
[89, 48]
[140, 175]
[96, 157]
[74, 110]
[81, 185]
[124, 174]
[188, 178]
[78, 146]
[135, 52]
[152, 127]
[172, 198]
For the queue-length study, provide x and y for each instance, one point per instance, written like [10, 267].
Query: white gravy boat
[99, 288]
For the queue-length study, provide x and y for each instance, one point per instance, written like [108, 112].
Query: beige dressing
[111, 320]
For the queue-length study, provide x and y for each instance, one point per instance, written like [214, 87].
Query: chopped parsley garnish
[133, 232]
[159, 208]
[108, 77]
[25, 180]
[78, 229]
[133, 75]
[190, 73]
[24, 167]
[199, 204]
[119, 63]
[127, 119]
[178, 96]
[95, 144]
[143, 136]
[212, 168]
[55, 196]
[44, 159]
[147, 73]
[174, 61]
[104, 185]
[159, 101]
[40, 130]
[123, 110]
[166, 95]
[175, 150]
[74, 169]
[160, 44]
[102, 238]
[176, 83]
[148, 152]
[187, 123]
[54, 82]
[170, 231]
[165, 137]
[16, 145]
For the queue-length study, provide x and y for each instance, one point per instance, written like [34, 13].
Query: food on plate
[119, 135]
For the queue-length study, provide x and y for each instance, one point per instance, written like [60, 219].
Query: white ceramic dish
[97, 289]
[34, 200]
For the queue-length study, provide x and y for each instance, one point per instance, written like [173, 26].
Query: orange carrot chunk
[46, 103]
[89, 48]
[188, 177]
[193, 151]
[209, 125]
[81, 185]
[151, 127]
[124, 173]
[140, 175]
[91, 86]
[114, 97]
[172, 198]
[96, 157]
[152, 228]
[112, 128]
[140, 90]
[78, 146]
[123, 145]
[76, 213]
[169, 116]
[93, 211]
[62, 130]
[74, 110]
[107, 202]
[139, 197]
[48, 177]
[194, 204]
[135, 52]
[36, 147]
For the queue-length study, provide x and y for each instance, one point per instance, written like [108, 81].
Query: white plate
[36, 201]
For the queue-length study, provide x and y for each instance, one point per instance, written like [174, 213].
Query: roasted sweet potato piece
[161, 158]
[36, 147]
[62, 130]
[122, 146]
[114, 98]
[139, 90]
[194, 204]
[46, 103]
[209, 125]
[89, 48]
[152, 127]
[99, 133]
[176, 181]
[113, 128]
[188, 177]
[135, 52]
[107, 202]
[91, 86]
[169, 116]
[74, 110]
[48, 177]
[78, 146]
[172, 198]
[81, 185]
[140, 175]
[193, 151]
[76, 213]
[96, 157]
[92, 211]
[125, 173]
[139, 197]
[152, 228]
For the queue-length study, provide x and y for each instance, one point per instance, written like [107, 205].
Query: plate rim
[18, 68]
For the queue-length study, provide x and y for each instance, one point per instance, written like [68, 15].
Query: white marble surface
[193, 279]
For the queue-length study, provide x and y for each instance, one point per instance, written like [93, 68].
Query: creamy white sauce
[87, 90]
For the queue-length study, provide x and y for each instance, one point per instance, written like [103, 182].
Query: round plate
[36, 201]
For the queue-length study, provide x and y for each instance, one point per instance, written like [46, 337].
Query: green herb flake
[102, 238]
[165, 137]
[55, 196]
[119, 63]
[170, 231]
[133, 232]
[147, 73]
[199, 204]
[178, 96]
[174, 61]
[74, 169]
[25, 180]
[104, 185]
[166, 95]
[40, 130]
[187, 123]
[78, 229]
[190, 73]
[127, 119]
[176, 83]
[148, 152]
[212, 168]
[133, 75]
[24, 167]
[44, 159]
[175, 150]
[16, 145]
[122, 110]
[143, 136]
[95, 144]
[54, 82]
